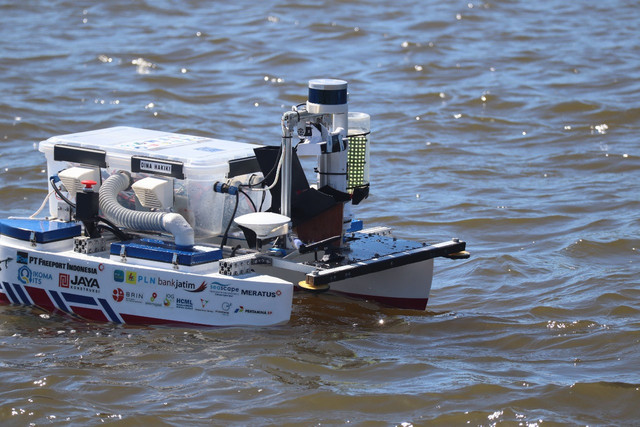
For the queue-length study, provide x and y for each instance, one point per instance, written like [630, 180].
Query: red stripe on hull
[132, 319]
[89, 313]
[406, 303]
[41, 299]
[4, 299]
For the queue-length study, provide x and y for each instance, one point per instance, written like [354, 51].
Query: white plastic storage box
[193, 163]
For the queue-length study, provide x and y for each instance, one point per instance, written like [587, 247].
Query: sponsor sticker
[182, 284]
[242, 309]
[210, 306]
[169, 300]
[78, 282]
[24, 275]
[263, 294]
[154, 300]
[224, 309]
[132, 277]
[118, 295]
[134, 296]
[184, 303]
[60, 265]
[221, 290]
[63, 280]
[27, 276]
[22, 257]
[118, 276]
[146, 280]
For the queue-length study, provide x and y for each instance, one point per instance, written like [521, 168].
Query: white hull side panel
[407, 286]
[101, 289]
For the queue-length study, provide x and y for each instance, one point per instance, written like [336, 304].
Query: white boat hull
[406, 287]
[101, 289]
[411, 292]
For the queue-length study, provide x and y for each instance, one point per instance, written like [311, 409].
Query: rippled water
[513, 125]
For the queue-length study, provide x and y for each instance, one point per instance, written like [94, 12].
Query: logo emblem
[24, 275]
[201, 288]
[64, 280]
[23, 257]
[132, 277]
[169, 299]
[118, 276]
[118, 295]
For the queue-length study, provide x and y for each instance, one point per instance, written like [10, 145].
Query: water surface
[510, 124]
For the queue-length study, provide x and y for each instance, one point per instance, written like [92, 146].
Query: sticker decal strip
[110, 313]
[40, 298]
[21, 295]
[59, 302]
[10, 294]
[78, 299]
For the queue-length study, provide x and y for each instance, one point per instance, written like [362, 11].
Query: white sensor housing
[265, 224]
[154, 192]
[72, 179]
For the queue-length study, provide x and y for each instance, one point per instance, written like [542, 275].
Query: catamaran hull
[405, 287]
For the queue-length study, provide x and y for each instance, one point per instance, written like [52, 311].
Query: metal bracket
[236, 266]
[123, 253]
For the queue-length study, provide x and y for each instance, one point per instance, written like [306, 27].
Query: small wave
[604, 251]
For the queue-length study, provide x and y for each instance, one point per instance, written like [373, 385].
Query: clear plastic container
[193, 163]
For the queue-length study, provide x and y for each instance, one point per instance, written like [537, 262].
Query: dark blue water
[510, 124]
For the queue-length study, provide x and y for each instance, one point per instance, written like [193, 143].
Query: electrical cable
[44, 203]
[248, 198]
[275, 179]
[59, 193]
[264, 196]
[113, 228]
[261, 182]
[233, 215]
[109, 225]
[119, 234]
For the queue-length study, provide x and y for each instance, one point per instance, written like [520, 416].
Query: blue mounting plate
[42, 231]
[356, 225]
[161, 251]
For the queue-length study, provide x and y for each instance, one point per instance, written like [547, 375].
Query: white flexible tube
[136, 220]
[178, 226]
[275, 179]
[44, 203]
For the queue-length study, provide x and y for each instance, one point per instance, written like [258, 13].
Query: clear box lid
[198, 154]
